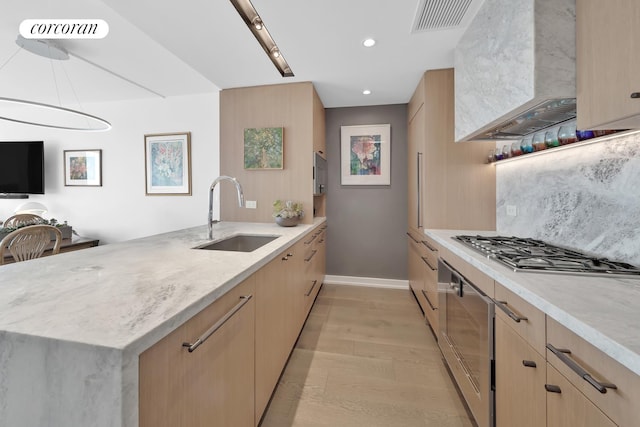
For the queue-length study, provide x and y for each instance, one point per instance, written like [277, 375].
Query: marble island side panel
[72, 326]
[601, 310]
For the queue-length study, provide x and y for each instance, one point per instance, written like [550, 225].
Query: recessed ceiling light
[366, 92]
[369, 42]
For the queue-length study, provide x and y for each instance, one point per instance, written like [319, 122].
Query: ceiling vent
[439, 14]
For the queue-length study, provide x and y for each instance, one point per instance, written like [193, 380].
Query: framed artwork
[83, 168]
[365, 155]
[168, 164]
[263, 148]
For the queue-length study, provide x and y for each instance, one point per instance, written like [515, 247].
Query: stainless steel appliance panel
[466, 340]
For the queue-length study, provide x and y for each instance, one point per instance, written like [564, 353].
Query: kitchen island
[72, 326]
[601, 310]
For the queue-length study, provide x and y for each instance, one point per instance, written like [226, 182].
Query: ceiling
[171, 48]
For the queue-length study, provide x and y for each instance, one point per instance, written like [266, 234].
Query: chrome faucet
[210, 220]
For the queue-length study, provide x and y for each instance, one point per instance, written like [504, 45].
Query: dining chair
[30, 242]
[21, 219]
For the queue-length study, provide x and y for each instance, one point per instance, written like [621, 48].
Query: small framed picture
[263, 148]
[83, 168]
[168, 164]
[366, 155]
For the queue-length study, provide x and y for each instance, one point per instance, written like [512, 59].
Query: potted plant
[287, 213]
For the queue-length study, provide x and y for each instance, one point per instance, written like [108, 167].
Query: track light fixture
[251, 18]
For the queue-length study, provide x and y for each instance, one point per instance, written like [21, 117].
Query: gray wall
[367, 224]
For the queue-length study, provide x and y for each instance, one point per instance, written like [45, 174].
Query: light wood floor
[365, 358]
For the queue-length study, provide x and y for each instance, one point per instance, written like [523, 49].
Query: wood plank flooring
[365, 358]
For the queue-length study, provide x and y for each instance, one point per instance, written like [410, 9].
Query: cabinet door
[607, 62]
[273, 322]
[566, 406]
[415, 170]
[211, 386]
[520, 378]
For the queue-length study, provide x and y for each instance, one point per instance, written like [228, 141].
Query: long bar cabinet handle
[192, 347]
[431, 248]
[428, 301]
[311, 290]
[419, 174]
[563, 355]
[412, 238]
[313, 237]
[502, 305]
[426, 261]
[313, 253]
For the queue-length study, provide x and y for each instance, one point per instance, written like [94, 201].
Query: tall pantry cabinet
[450, 184]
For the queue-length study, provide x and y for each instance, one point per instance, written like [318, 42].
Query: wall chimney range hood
[515, 69]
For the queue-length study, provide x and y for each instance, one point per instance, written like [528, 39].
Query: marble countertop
[604, 311]
[133, 292]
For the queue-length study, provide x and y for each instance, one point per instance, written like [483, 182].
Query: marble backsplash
[586, 198]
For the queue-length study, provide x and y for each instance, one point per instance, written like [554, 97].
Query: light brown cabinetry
[274, 329]
[450, 186]
[566, 406]
[611, 387]
[297, 108]
[520, 365]
[608, 60]
[211, 385]
[285, 291]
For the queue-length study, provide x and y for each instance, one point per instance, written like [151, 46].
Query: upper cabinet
[449, 185]
[296, 108]
[608, 62]
[516, 61]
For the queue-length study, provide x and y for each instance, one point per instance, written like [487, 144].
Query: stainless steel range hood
[515, 69]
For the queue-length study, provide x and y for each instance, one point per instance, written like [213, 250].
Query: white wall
[120, 210]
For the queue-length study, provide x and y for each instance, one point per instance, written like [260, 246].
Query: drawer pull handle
[635, 95]
[529, 364]
[426, 261]
[563, 355]
[502, 305]
[412, 238]
[552, 388]
[308, 242]
[311, 290]
[192, 347]
[428, 300]
[431, 248]
[313, 253]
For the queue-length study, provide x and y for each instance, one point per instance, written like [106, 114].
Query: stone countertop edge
[148, 312]
[566, 298]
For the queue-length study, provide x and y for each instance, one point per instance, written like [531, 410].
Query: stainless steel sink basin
[239, 243]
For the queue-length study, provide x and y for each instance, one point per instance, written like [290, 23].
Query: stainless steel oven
[466, 317]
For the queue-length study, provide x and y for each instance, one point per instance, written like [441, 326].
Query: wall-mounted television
[21, 167]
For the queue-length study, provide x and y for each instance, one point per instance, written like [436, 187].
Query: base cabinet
[520, 378]
[213, 385]
[566, 406]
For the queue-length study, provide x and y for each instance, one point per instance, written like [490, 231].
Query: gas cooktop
[530, 255]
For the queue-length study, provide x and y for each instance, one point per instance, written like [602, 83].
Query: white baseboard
[371, 282]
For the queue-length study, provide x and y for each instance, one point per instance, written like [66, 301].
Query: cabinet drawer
[430, 252]
[620, 404]
[525, 319]
[568, 407]
[475, 276]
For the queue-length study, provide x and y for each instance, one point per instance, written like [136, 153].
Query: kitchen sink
[239, 243]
